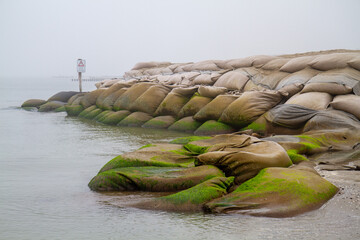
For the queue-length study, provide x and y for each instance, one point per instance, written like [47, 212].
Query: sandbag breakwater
[310, 101]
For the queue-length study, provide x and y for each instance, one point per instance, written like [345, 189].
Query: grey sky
[45, 37]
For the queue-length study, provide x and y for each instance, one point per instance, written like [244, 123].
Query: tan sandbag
[270, 79]
[211, 91]
[251, 86]
[63, 96]
[185, 91]
[300, 77]
[161, 122]
[149, 101]
[348, 103]
[297, 64]
[214, 109]
[276, 192]
[171, 105]
[331, 61]
[355, 63]
[115, 87]
[292, 89]
[109, 101]
[128, 97]
[142, 65]
[223, 64]
[232, 80]
[110, 83]
[260, 60]
[136, 119]
[76, 97]
[245, 162]
[240, 63]
[186, 124]
[193, 106]
[33, 103]
[331, 88]
[347, 76]
[158, 71]
[249, 106]
[203, 79]
[113, 118]
[212, 127]
[275, 64]
[208, 65]
[312, 100]
[51, 106]
[90, 98]
[190, 76]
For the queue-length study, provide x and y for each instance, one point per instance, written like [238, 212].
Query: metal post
[79, 78]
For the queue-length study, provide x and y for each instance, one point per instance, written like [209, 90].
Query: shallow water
[47, 160]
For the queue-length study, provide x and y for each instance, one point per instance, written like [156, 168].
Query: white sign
[81, 65]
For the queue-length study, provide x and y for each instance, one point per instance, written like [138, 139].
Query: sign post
[81, 67]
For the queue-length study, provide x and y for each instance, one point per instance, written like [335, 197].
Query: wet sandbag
[214, 109]
[100, 102]
[249, 106]
[191, 199]
[245, 162]
[51, 106]
[331, 61]
[33, 103]
[102, 115]
[186, 124]
[193, 106]
[290, 115]
[90, 98]
[300, 77]
[87, 110]
[212, 127]
[152, 179]
[332, 119]
[186, 140]
[233, 80]
[74, 110]
[348, 103]
[135, 119]
[161, 122]
[113, 118]
[276, 192]
[160, 154]
[312, 100]
[149, 101]
[127, 98]
[62, 96]
[211, 92]
[109, 101]
[91, 114]
[297, 64]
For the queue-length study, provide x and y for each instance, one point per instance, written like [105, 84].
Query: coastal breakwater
[269, 115]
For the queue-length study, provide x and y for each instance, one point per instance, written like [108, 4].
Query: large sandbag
[297, 64]
[208, 65]
[172, 104]
[270, 79]
[160, 155]
[331, 88]
[331, 61]
[240, 63]
[191, 199]
[348, 103]
[62, 96]
[33, 103]
[212, 127]
[214, 109]
[186, 124]
[188, 77]
[290, 115]
[133, 74]
[142, 65]
[113, 118]
[90, 98]
[312, 100]
[128, 97]
[75, 99]
[90, 112]
[110, 100]
[211, 91]
[161, 122]
[203, 79]
[193, 106]
[332, 119]
[259, 61]
[100, 100]
[249, 106]
[275, 64]
[251, 86]
[233, 80]
[51, 106]
[292, 89]
[276, 192]
[347, 76]
[355, 63]
[135, 119]
[153, 179]
[158, 71]
[245, 162]
[150, 100]
[73, 110]
[185, 91]
[300, 77]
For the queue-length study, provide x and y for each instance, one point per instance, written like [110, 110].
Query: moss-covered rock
[187, 124]
[161, 122]
[33, 103]
[113, 118]
[135, 119]
[50, 106]
[74, 110]
[213, 127]
[154, 179]
[276, 192]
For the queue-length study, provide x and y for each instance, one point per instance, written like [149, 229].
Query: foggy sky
[45, 37]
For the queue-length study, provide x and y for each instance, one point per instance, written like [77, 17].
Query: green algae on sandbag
[87, 111]
[214, 109]
[191, 199]
[135, 119]
[161, 155]
[102, 115]
[186, 140]
[113, 118]
[246, 161]
[276, 192]
[91, 112]
[295, 157]
[60, 109]
[50, 106]
[74, 110]
[90, 98]
[213, 127]
[161, 122]
[127, 98]
[172, 104]
[33, 103]
[193, 106]
[187, 124]
[153, 179]
[109, 101]
[104, 102]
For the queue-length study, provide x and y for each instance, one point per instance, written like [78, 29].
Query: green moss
[213, 127]
[60, 109]
[74, 110]
[185, 125]
[147, 145]
[102, 115]
[295, 157]
[93, 113]
[87, 111]
[186, 140]
[195, 149]
[257, 127]
[113, 118]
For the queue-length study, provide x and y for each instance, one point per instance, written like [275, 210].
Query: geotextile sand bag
[142, 65]
[62, 96]
[128, 97]
[136, 119]
[152, 179]
[211, 91]
[172, 104]
[249, 106]
[269, 79]
[186, 124]
[297, 64]
[348, 103]
[51, 106]
[109, 101]
[110, 91]
[275, 64]
[312, 100]
[113, 118]
[193, 106]
[331, 88]
[203, 79]
[355, 63]
[212, 127]
[161, 122]
[33, 103]
[214, 109]
[300, 77]
[90, 98]
[276, 192]
[332, 61]
[233, 80]
[90, 112]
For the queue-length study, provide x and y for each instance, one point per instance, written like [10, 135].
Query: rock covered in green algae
[162, 155]
[155, 179]
[191, 199]
[33, 103]
[276, 192]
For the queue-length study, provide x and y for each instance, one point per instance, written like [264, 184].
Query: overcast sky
[45, 37]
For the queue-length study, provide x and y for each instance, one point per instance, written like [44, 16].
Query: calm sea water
[47, 160]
